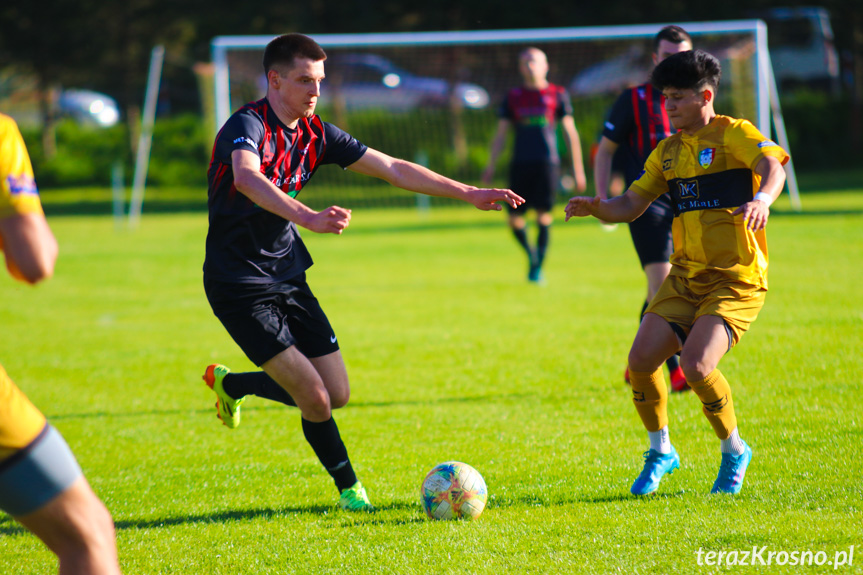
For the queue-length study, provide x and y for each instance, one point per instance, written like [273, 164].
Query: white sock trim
[659, 440]
[733, 444]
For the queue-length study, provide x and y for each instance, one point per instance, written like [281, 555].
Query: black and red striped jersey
[637, 122]
[534, 114]
[246, 243]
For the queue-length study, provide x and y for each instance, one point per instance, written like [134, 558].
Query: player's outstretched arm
[29, 246]
[623, 208]
[251, 182]
[413, 177]
[756, 212]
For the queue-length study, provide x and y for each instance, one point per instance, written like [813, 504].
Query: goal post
[433, 96]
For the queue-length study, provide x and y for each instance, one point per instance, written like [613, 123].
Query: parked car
[372, 81]
[88, 107]
[802, 47]
[614, 75]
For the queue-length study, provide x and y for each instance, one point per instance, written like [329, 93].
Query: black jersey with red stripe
[246, 243]
[534, 114]
[637, 122]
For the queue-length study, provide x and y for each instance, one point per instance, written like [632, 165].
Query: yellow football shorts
[681, 301]
[20, 420]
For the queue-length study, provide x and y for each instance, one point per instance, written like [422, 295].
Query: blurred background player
[41, 484]
[636, 124]
[256, 262]
[722, 174]
[534, 110]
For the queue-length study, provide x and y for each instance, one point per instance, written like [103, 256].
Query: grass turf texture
[452, 355]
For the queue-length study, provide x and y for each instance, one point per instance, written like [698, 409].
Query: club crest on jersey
[687, 189]
[705, 158]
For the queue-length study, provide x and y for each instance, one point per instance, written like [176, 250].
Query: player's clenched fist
[581, 206]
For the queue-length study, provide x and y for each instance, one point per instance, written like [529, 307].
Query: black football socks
[257, 383]
[331, 451]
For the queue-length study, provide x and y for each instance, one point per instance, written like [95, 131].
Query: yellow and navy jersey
[18, 192]
[709, 175]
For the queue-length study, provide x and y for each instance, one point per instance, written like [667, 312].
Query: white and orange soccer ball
[453, 490]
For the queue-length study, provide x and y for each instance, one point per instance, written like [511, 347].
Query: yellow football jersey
[20, 421]
[709, 175]
[18, 192]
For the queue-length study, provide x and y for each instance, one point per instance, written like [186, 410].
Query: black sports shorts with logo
[266, 319]
[651, 232]
[536, 182]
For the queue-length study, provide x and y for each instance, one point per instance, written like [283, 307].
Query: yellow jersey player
[722, 175]
[41, 484]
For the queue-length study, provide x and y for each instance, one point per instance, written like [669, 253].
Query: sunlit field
[453, 355]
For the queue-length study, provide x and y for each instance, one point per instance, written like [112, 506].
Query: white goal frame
[767, 100]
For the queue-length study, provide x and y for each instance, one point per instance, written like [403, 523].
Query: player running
[722, 175]
[41, 484]
[254, 273]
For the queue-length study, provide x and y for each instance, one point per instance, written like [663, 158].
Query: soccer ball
[453, 490]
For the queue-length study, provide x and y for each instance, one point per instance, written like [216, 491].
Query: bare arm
[570, 135]
[623, 208]
[497, 145]
[602, 166]
[29, 246]
[756, 212]
[413, 177]
[253, 184]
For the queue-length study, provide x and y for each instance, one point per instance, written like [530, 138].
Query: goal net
[433, 97]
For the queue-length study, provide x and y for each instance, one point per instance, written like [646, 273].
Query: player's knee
[642, 360]
[316, 406]
[339, 398]
[696, 368]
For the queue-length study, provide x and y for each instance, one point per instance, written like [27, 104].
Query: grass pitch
[452, 355]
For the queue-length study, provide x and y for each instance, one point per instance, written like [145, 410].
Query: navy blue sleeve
[564, 107]
[620, 120]
[342, 148]
[243, 131]
[504, 112]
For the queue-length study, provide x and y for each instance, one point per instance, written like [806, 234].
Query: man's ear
[708, 95]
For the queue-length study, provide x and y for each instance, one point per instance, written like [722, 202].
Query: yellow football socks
[650, 396]
[715, 395]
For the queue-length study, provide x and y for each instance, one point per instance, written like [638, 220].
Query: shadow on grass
[809, 213]
[9, 527]
[275, 406]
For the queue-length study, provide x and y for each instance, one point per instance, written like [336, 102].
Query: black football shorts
[266, 319]
[537, 183]
[651, 232]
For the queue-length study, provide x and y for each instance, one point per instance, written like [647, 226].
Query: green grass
[452, 355]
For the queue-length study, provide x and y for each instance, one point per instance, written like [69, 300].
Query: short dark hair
[690, 70]
[673, 34]
[283, 50]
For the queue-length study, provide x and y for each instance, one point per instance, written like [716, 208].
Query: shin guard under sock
[715, 395]
[650, 397]
[331, 451]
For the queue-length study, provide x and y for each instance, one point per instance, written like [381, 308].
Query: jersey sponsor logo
[720, 190]
[767, 144]
[641, 93]
[245, 140]
[23, 185]
[666, 164]
[705, 158]
[609, 126]
[687, 189]
[332, 339]
[292, 181]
